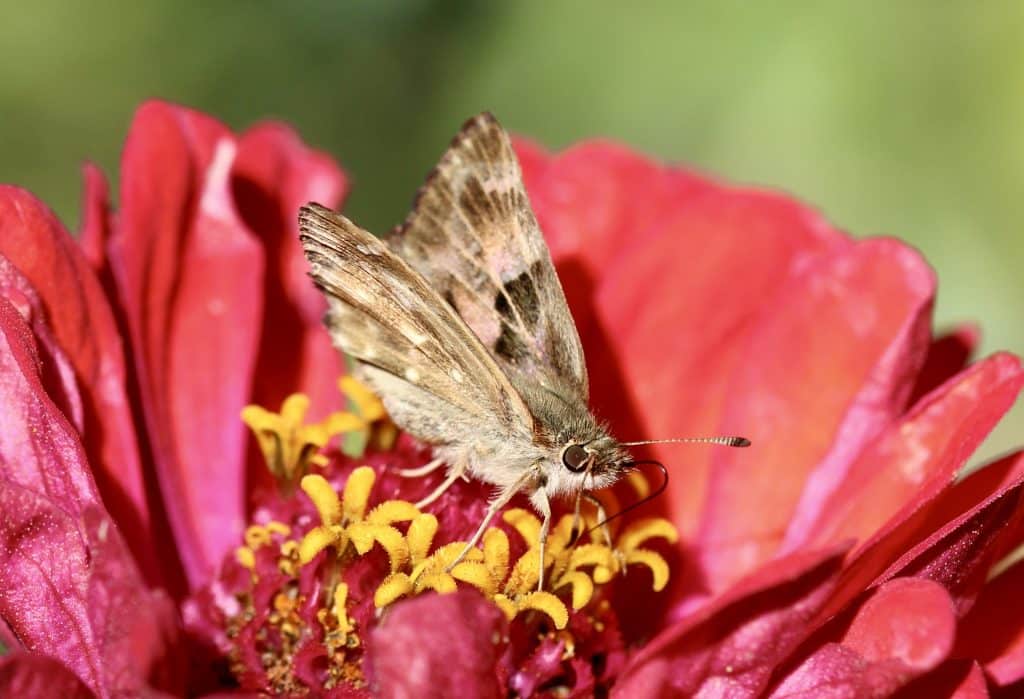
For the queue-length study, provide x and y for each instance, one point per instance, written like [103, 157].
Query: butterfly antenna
[724, 441]
[650, 496]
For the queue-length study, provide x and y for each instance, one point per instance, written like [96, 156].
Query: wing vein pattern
[474, 237]
[410, 345]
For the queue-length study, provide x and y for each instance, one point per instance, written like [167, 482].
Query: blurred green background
[897, 118]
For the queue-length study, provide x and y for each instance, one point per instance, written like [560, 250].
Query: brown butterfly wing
[434, 376]
[474, 237]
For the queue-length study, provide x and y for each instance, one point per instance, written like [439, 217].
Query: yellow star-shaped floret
[517, 594]
[430, 573]
[512, 586]
[629, 551]
[345, 521]
[561, 561]
[288, 444]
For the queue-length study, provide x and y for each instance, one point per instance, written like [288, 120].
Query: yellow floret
[364, 535]
[571, 569]
[393, 511]
[394, 587]
[640, 531]
[357, 492]
[315, 541]
[345, 624]
[289, 446]
[654, 561]
[325, 500]
[420, 536]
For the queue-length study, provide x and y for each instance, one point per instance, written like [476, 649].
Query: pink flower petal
[439, 646]
[71, 588]
[830, 364]
[905, 629]
[37, 437]
[970, 493]
[954, 550]
[82, 322]
[955, 679]
[190, 277]
[35, 676]
[675, 315]
[56, 373]
[947, 357]
[960, 554]
[594, 196]
[993, 631]
[273, 175]
[908, 619]
[96, 219]
[729, 648]
[911, 460]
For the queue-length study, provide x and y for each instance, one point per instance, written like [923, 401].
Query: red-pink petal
[959, 554]
[954, 679]
[905, 629]
[76, 309]
[96, 218]
[273, 175]
[595, 198]
[951, 538]
[71, 588]
[911, 460]
[439, 646]
[56, 373]
[35, 676]
[982, 486]
[37, 437]
[947, 356]
[190, 277]
[993, 631]
[675, 315]
[729, 648]
[72, 591]
[908, 619]
[829, 365]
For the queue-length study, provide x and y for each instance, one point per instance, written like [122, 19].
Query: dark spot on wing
[509, 345]
[475, 202]
[520, 292]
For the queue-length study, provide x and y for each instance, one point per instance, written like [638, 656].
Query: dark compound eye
[575, 458]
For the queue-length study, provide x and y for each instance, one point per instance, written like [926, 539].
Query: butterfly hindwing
[474, 237]
[435, 377]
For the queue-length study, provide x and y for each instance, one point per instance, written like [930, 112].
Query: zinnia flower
[150, 544]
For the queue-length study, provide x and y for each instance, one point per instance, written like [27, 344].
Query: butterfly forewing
[435, 377]
[474, 237]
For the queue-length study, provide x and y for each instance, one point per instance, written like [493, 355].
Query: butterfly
[458, 321]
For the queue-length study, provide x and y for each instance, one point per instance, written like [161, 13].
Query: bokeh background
[892, 118]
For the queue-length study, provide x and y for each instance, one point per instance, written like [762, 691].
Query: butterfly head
[600, 460]
[589, 464]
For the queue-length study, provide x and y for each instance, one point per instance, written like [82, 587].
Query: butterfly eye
[575, 458]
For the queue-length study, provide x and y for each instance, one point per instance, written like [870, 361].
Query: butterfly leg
[576, 531]
[453, 475]
[602, 519]
[421, 470]
[499, 502]
[544, 505]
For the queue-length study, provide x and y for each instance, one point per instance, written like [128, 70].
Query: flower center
[320, 568]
